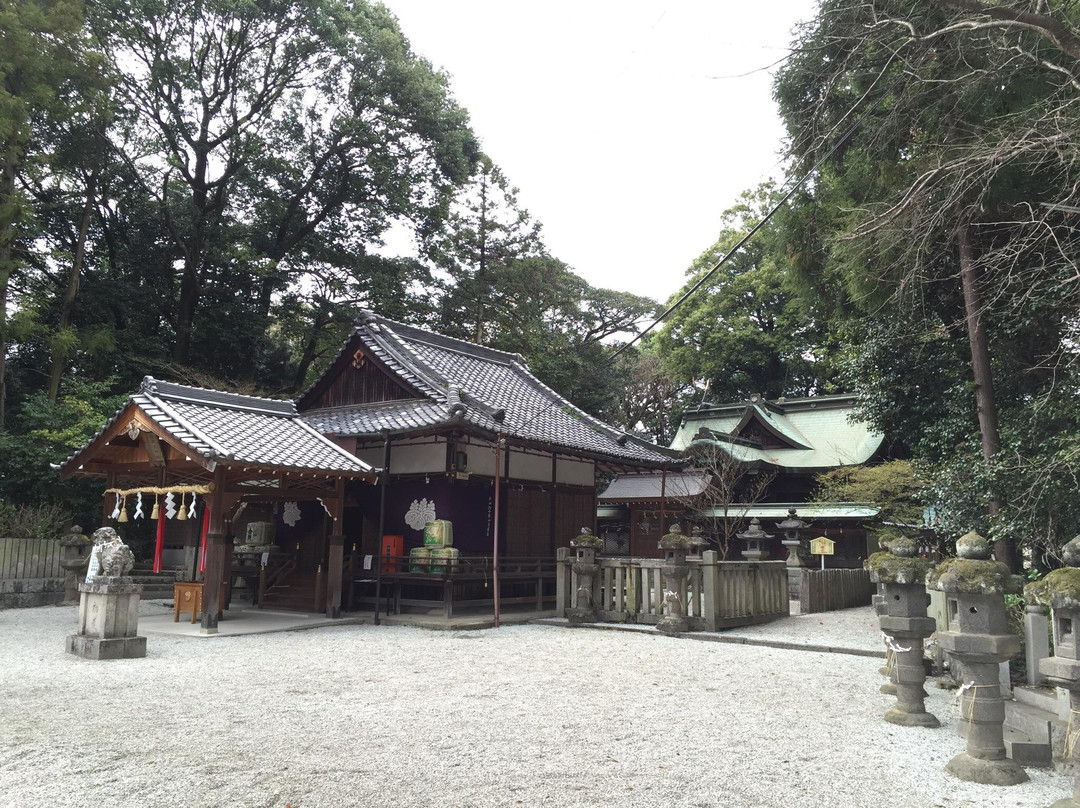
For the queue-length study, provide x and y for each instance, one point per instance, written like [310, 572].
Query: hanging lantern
[181, 515]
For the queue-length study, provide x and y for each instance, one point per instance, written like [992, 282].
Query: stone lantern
[902, 600]
[754, 536]
[1060, 590]
[674, 573]
[584, 566]
[698, 542]
[791, 527]
[975, 589]
[74, 559]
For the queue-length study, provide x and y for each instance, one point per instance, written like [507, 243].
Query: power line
[791, 191]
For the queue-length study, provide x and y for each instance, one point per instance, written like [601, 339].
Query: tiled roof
[820, 430]
[239, 429]
[674, 485]
[470, 385]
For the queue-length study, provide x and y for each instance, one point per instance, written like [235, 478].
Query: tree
[944, 208]
[41, 51]
[744, 332]
[731, 488]
[893, 487]
[485, 236]
[280, 120]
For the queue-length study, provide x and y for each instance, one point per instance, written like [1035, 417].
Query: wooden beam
[152, 446]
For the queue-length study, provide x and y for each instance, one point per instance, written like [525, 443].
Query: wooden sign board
[822, 546]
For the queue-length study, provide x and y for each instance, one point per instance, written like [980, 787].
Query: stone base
[1002, 772]
[888, 689]
[578, 616]
[98, 648]
[673, 625]
[903, 719]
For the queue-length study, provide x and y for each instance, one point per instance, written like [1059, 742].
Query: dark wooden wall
[361, 382]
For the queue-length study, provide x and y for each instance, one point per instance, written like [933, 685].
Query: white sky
[610, 118]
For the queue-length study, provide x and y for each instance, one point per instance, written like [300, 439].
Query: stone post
[978, 636]
[74, 559]
[1060, 590]
[584, 567]
[901, 605]
[674, 573]
[109, 604]
[1037, 640]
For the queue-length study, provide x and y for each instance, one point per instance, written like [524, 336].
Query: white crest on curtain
[290, 514]
[420, 513]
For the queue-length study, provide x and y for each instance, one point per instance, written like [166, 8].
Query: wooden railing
[277, 569]
[30, 558]
[467, 581]
[715, 594]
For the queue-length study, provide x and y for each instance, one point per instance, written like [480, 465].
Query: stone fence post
[710, 583]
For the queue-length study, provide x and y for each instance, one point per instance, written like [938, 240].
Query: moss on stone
[587, 539]
[1060, 589]
[973, 576]
[886, 568]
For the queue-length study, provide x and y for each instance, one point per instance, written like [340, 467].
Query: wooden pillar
[336, 555]
[216, 549]
[106, 511]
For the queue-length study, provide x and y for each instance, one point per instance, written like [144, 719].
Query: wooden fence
[716, 594]
[826, 590]
[21, 559]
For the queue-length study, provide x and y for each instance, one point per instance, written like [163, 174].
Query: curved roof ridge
[439, 340]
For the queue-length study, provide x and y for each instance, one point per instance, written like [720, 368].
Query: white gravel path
[526, 715]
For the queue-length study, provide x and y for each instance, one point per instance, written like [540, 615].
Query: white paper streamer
[170, 505]
[116, 510]
[191, 510]
[138, 506]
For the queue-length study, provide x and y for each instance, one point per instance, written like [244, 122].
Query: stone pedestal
[584, 567]
[901, 606]
[978, 636]
[108, 620]
[74, 559]
[674, 573]
[1060, 590]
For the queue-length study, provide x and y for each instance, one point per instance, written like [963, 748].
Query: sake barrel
[420, 559]
[439, 533]
[444, 559]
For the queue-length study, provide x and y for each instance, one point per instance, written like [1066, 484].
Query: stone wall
[26, 592]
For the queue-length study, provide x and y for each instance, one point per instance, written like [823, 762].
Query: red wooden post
[216, 550]
[336, 557]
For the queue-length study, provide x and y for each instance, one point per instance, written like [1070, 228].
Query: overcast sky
[621, 122]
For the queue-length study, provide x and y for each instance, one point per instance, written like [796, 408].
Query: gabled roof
[468, 386]
[231, 428]
[816, 433]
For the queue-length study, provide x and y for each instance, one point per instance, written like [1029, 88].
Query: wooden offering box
[188, 597]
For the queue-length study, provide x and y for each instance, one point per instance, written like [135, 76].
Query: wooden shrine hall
[175, 453]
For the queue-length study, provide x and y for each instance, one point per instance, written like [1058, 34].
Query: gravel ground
[525, 715]
[848, 628]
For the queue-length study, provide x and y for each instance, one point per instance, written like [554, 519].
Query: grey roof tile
[496, 389]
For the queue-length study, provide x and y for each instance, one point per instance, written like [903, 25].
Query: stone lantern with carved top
[975, 589]
[791, 527]
[674, 573]
[901, 577]
[584, 567]
[1060, 590]
[754, 536]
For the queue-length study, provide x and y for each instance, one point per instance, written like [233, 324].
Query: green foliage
[745, 331]
[46, 521]
[893, 487]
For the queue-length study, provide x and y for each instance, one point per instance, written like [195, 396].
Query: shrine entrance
[206, 457]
